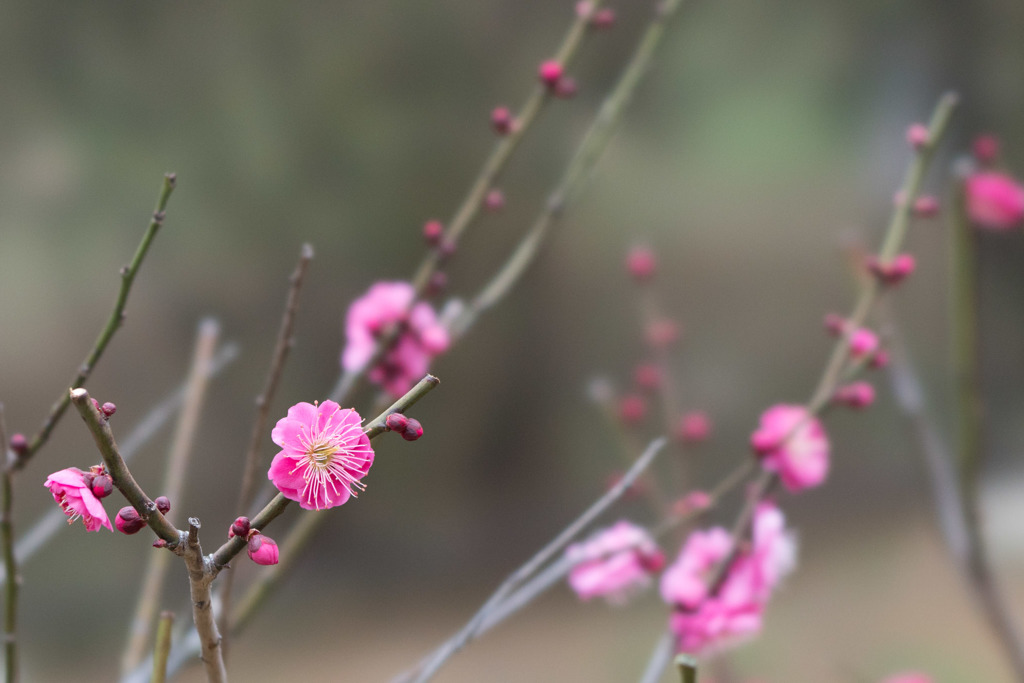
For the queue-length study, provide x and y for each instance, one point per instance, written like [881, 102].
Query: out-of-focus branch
[151, 589]
[259, 427]
[687, 668]
[113, 323]
[162, 648]
[10, 562]
[472, 627]
[661, 655]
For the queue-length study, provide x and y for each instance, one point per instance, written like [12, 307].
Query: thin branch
[471, 629]
[577, 173]
[275, 507]
[10, 562]
[201, 574]
[54, 520]
[259, 428]
[151, 589]
[470, 207]
[661, 655]
[123, 479]
[687, 666]
[162, 648]
[113, 323]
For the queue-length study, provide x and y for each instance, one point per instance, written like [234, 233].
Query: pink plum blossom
[793, 443]
[422, 337]
[705, 622]
[262, 549]
[995, 201]
[615, 563]
[324, 454]
[73, 494]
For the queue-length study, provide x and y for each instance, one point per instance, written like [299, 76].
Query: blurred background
[765, 137]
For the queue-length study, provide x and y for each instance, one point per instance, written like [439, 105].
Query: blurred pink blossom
[73, 494]
[422, 338]
[793, 443]
[693, 427]
[995, 201]
[324, 455]
[615, 563]
[703, 622]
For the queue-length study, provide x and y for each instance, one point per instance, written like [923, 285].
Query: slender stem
[275, 507]
[263, 403]
[10, 562]
[470, 630]
[577, 172]
[661, 655]
[687, 666]
[46, 527]
[971, 433]
[162, 649]
[470, 207]
[201, 574]
[151, 590]
[123, 479]
[113, 323]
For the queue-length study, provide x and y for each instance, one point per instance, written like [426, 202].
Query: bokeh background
[765, 137]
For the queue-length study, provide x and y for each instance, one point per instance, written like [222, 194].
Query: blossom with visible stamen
[324, 455]
[73, 494]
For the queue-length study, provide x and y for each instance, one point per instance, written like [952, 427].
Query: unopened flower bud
[128, 521]
[566, 88]
[693, 428]
[863, 342]
[603, 18]
[502, 121]
[892, 272]
[163, 504]
[495, 200]
[550, 73]
[240, 527]
[19, 444]
[102, 486]
[96, 405]
[857, 395]
[632, 409]
[641, 264]
[108, 409]
[917, 135]
[985, 149]
[647, 377]
[413, 429]
[432, 231]
[926, 207]
[396, 422]
[262, 549]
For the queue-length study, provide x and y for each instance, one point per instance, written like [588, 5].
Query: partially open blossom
[422, 337]
[856, 395]
[693, 427]
[75, 497]
[917, 135]
[324, 455]
[793, 443]
[704, 622]
[863, 342]
[615, 563]
[995, 201]
[262, 549]
[641, 264]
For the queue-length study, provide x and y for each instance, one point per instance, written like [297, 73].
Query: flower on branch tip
[615, 563]
[324, 455]
[262, 549]
[995, 201]
[704, 620]
[74, 495]
[793, 443]
[422, 337]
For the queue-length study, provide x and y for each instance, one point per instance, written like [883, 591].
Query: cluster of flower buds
[261, 549]
[410, 428]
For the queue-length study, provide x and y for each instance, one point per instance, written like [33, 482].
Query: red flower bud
[396, 422]
[128, 521]
[240, 527]
[432, 231]
[102, 485]
[163, 504]
[413, 430]
[108, 409]
[262, 549]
